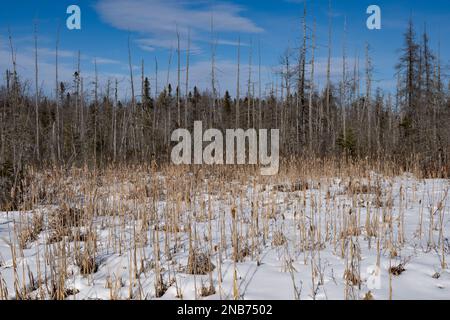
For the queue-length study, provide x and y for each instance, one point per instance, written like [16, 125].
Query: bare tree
[249, 83]
[238, 98]
[368, 98]
[301, 76]
[328, 88]
[259, 86]
[95, 111]
[344, 84]
[311, 91]
[186, 105]
[116, 98]
[178, 79]
[213, 71]
[58, 130]
[36, 97]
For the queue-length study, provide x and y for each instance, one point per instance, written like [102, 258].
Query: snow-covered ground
[302, 242]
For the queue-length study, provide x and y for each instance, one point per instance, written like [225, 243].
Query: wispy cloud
[105, 61]
[149, 44]
[158, 20]
[47, 52]
[231, 43]
[163, 16]
[66, 68]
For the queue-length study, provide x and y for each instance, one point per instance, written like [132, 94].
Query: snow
[279, 268]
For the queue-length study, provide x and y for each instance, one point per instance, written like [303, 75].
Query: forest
[351, 119]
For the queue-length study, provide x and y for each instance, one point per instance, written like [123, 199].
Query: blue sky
[152, 25]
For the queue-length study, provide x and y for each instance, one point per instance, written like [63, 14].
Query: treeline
[348, 118]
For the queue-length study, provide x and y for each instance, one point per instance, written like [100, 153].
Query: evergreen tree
[227, 102]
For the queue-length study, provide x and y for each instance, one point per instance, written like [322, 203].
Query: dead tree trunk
[58, 128]
[186, 103]
[328, 90]
[238, 84]
[178, 79]
[249, 83]
[311, 92]
[367, 99]
[344, 85]
[36, 97]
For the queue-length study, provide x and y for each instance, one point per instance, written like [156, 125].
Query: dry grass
[31, 232]
[397, 270]
[199, 264]
[212, 210]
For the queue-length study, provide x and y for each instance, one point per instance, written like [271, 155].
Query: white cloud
[47, 52]
[66, 68]
[158, 16]
[149, 44]
[231, 43]
[159, 20]
[104, 61]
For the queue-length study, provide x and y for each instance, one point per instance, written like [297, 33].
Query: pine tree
[408, 68]
[227, 102]
[147, 99]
